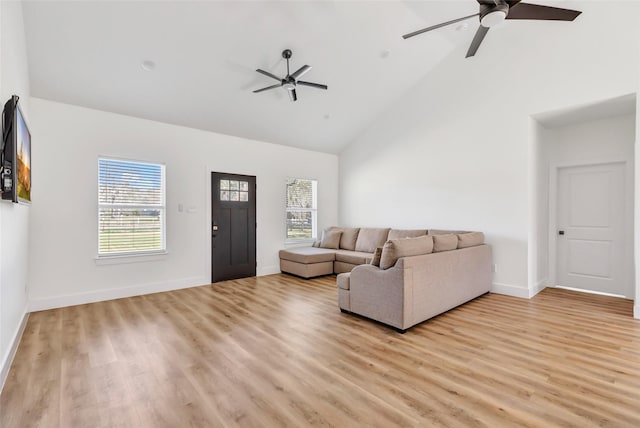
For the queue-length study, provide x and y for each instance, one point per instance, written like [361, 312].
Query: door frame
[629, 199]
[207, 252]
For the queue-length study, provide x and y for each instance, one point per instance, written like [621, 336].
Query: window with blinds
[301, 208]
[131, 207]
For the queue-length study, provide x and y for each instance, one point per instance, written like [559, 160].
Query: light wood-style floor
[276, 351]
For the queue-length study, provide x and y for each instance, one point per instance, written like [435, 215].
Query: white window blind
[302, 208]
[131, 211]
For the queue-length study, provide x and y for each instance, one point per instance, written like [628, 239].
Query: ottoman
[307, 262]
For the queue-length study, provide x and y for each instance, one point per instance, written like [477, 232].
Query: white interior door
[592, 229]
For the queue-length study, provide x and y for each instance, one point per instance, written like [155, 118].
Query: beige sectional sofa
[356, 247]
[416, 275]
[416, 288]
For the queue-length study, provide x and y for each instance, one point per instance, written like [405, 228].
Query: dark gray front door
[233, 228]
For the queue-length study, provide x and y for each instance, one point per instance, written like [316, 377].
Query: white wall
[454, 152]
[606, 138]
[636, 307]
[603, 140]
[14, 218]
[539, 239]
[69, 140]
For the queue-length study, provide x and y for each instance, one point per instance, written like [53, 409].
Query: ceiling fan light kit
[290, 81]
[494, 12]
[491, 16]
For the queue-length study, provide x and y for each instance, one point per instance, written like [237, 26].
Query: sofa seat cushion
[308, 255]
[370, 239]
[353, 257]
[343, 280]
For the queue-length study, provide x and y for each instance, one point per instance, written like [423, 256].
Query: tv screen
[16, 162]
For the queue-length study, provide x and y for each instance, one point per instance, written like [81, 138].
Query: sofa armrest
[379, 294]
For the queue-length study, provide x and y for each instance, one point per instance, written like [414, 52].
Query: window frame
[142, 254]
[313, 210]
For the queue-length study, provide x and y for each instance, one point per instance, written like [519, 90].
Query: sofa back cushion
[348, 238]
[330, 239]
[396, 248]
[470, 239]
[370, 239]
[406, 233]
[445, 242]
[445, 232]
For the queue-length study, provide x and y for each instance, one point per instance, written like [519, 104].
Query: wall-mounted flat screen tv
[16, 154]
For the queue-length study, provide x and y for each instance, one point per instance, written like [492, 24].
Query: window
[131, 207]
[301, 208]
[233, 190]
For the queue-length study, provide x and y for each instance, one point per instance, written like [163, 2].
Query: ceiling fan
[493, 12]
[290, 81]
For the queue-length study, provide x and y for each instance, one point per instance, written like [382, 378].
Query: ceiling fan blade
[538, 12]
[267, 88]
[302, 70]
[292, 95]
[444, 24]
[266, 73]
[477, 39]
[313, 85]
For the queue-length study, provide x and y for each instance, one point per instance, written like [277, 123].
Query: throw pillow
[375, 261]
[330, 239]
[316, 244]
[470, 239]
[444, 243]
[348, 238]
[397, 248]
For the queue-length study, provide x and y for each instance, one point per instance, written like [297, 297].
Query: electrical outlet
[494, 268]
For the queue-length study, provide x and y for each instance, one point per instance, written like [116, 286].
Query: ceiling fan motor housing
[493, 14]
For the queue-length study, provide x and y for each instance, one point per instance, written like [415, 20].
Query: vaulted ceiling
[205, 55]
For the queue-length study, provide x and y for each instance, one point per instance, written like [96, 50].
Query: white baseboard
[11, 352]
[541, 285]
[636, 311]
[268, 270]
[510, 290]
[518, 291]
[114, 293]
